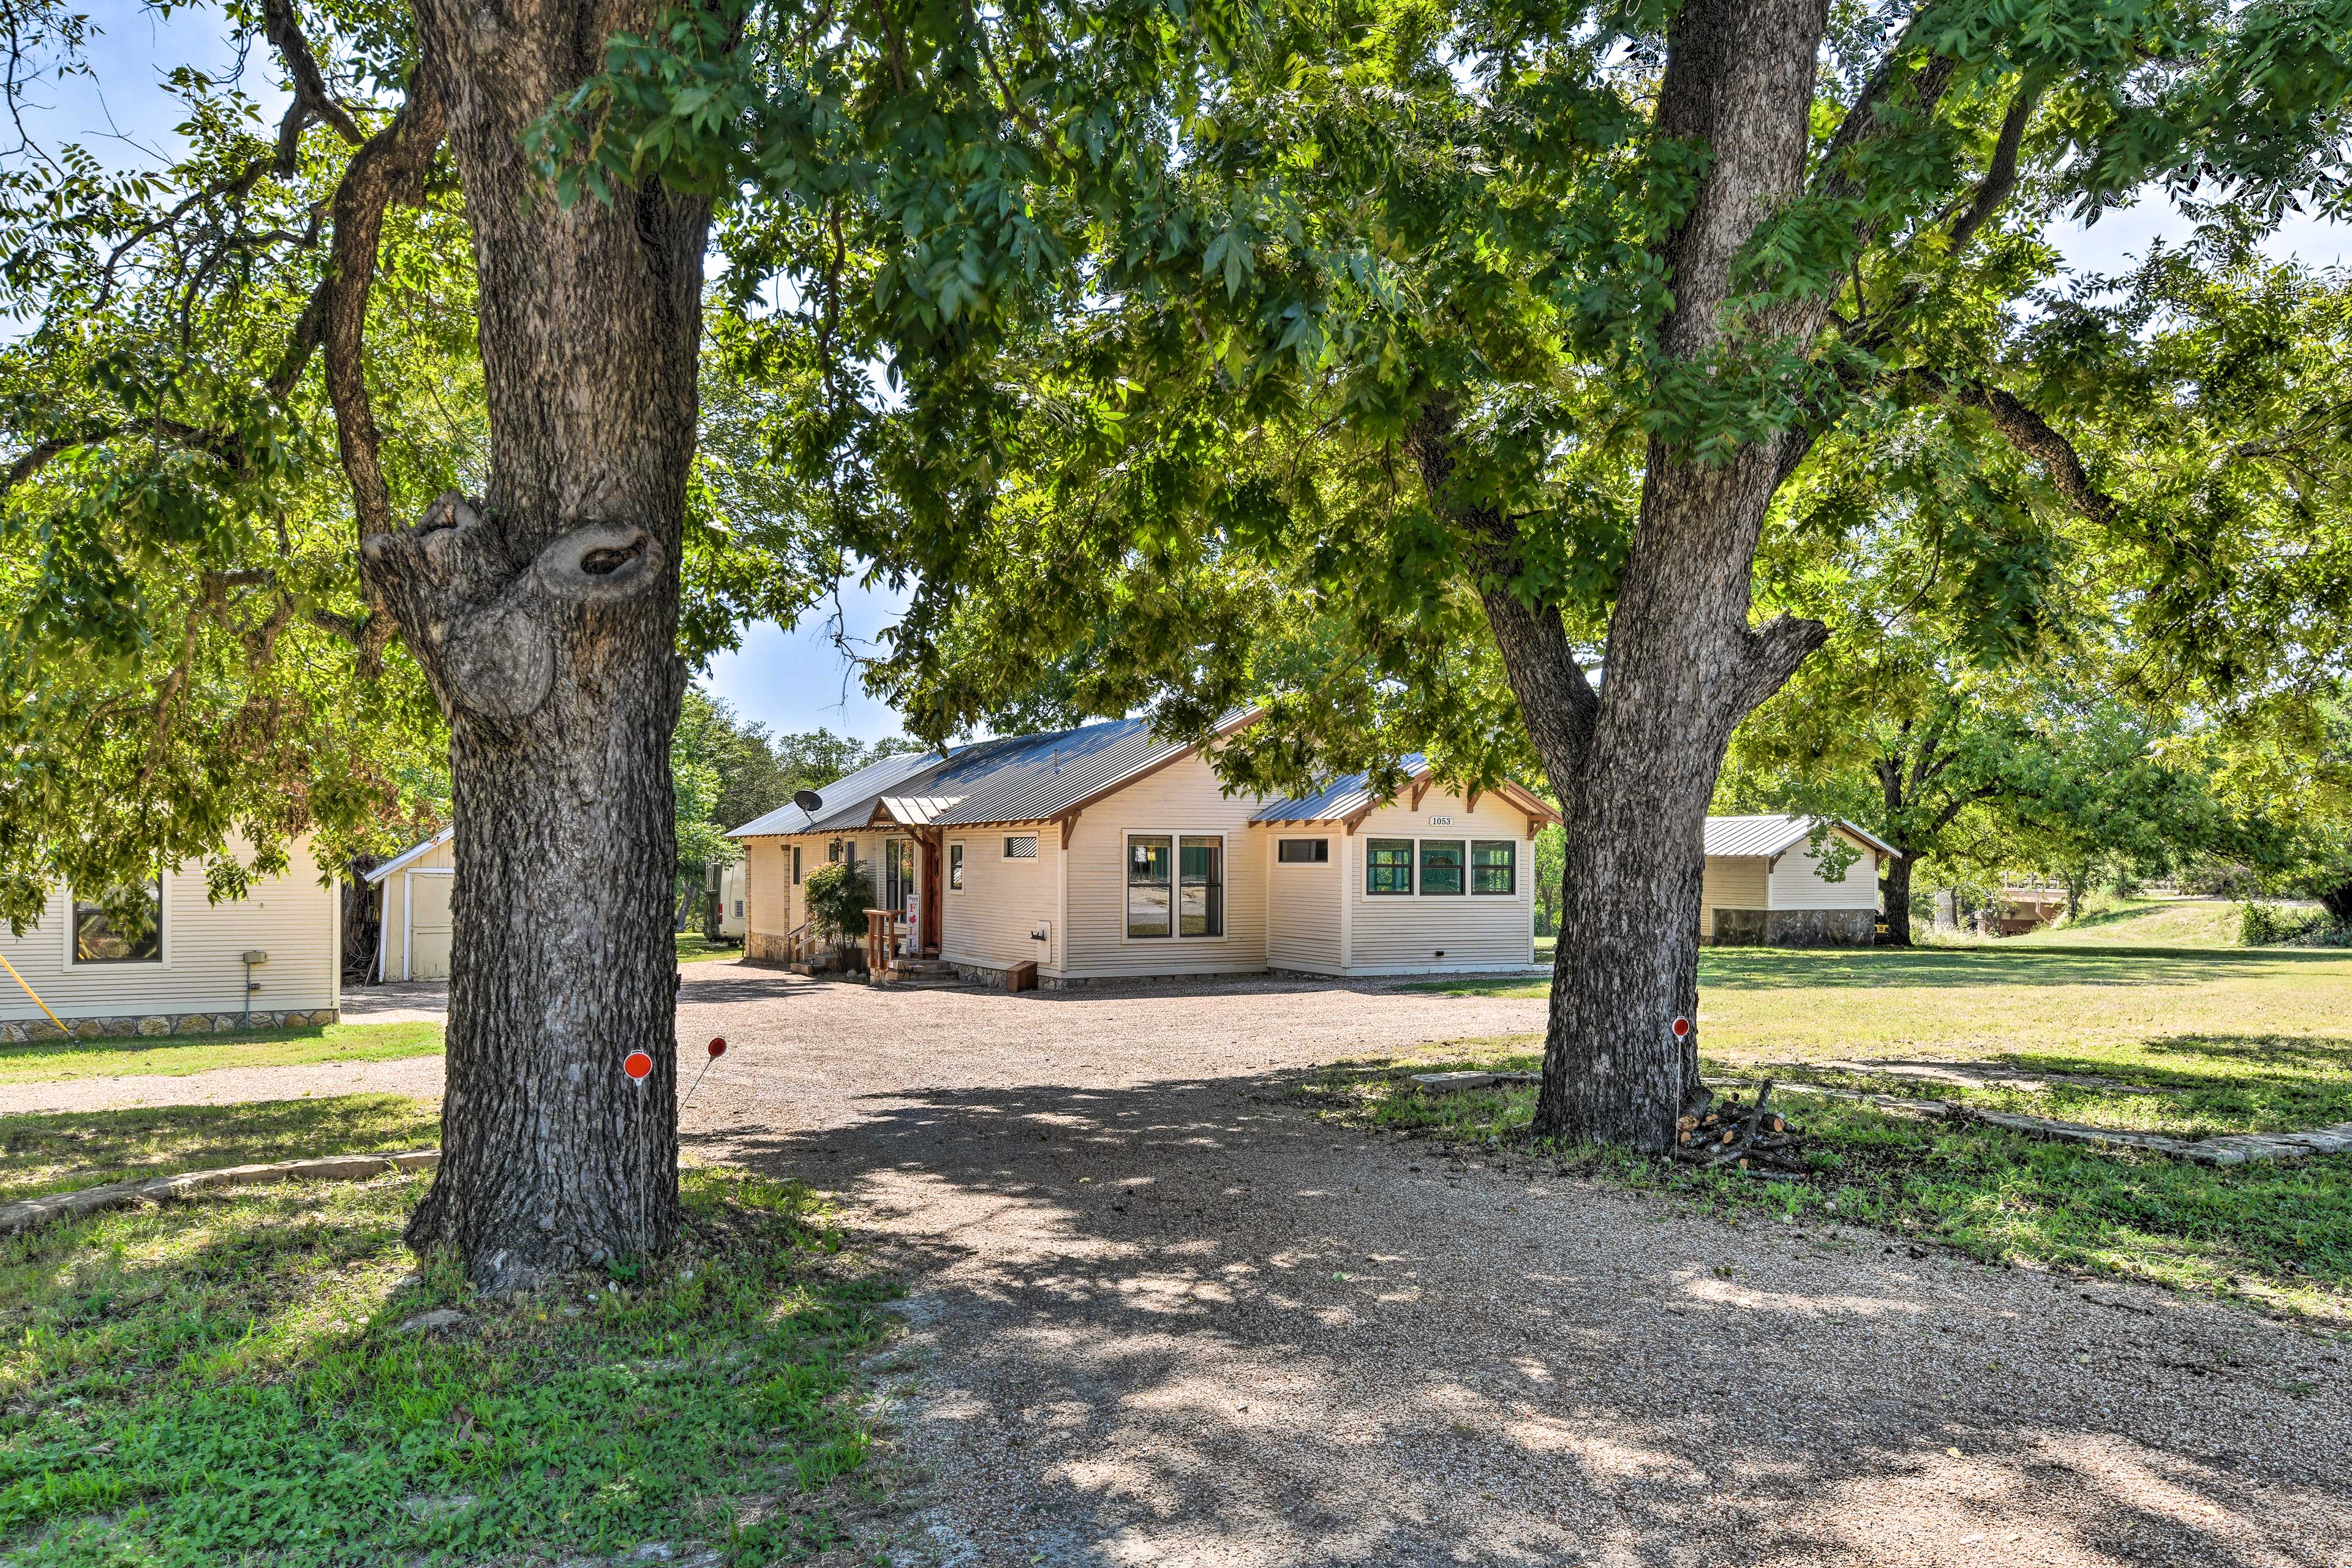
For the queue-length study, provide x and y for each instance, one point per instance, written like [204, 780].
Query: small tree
[838, 897]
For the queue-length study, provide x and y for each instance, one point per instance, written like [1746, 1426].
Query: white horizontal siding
[392, 896]
[1797, 883]
[1302, 909]
[1181, 798]
[292, 917]
[1392, 934]
[989, 923]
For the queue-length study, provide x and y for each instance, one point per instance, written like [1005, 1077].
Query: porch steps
[923, 975]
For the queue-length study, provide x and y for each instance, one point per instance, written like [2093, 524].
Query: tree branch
[2032, 435]
[1775, 649]
[284, 31]
[2001, 175]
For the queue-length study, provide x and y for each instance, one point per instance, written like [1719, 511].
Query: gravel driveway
[1160, 1316]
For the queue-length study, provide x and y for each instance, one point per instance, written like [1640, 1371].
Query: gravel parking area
[1159, 1315]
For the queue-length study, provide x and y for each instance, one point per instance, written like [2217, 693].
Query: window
[739, 909]
[1304, 852]
[898, 874]
[955, 867]
[797, 865]
[1022, 846]
[832, 852]
[1200, 887]
[1387, 865]
[1441, 864]
[1494, 867]
[136, 938]
[1147, 886]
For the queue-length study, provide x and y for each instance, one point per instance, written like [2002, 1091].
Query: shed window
[1147, 868]
[1441, 864]
[1020, 847]
[1201, 887]
[1388, 866]
[1494, 865]
[955, 867]
[1304, 851]
[136, 937]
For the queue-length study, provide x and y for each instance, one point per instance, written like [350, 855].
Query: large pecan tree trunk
[1635, 761]
[545, 614]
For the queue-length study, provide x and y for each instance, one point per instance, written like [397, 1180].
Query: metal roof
[1012, 778]
[1347, 796]
[413, 852]
[1770, 834]
[846, 802]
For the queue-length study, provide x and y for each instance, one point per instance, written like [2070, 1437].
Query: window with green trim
[1495, 866]
[1441, 864]
[1388, 866]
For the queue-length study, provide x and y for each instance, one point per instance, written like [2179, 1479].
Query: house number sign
[1441, 822]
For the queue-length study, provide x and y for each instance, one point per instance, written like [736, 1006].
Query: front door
[898, 874]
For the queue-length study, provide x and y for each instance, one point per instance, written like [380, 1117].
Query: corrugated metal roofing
[1772, 833]
[1342, 797]
[1012, 778]
[848, 801]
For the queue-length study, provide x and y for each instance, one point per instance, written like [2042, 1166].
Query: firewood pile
[1728, 1132]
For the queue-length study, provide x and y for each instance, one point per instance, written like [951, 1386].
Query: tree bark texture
[1634, 763]
[2338, 902]
[545, 616]
[1895, 900]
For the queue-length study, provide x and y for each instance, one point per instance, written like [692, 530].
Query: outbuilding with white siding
[414, 922]
[187, 969]
[1790, 881]
[1103, 853]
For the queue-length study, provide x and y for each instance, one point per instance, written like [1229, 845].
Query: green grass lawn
[694, 948]
[2143, 922]
[2191, 1043]
[174, 1055]
[70, 1149]
[224, 1379]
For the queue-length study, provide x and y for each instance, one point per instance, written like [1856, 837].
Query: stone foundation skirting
[1794, 927]
[23, 1031]
[764, 947]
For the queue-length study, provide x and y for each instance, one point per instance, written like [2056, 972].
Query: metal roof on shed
[1772, 833]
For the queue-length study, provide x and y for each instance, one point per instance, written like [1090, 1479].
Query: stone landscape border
[154, 1025]
[31, 1214]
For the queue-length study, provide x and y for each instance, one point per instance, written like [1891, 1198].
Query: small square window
[1020, 847]
[955, 867]
[134, 935]
[1304, 852]
[1441, 864]
[1388, 866]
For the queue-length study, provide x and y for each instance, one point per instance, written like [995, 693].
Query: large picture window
[1201, 887]
[1388, 866]
[1494, 865]
[135, 937]
[1149, 865]
[1441, 866]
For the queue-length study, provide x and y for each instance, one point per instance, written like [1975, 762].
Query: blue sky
[790, 677]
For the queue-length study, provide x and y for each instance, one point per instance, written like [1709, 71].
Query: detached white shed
[1767, 885]
[413, 907]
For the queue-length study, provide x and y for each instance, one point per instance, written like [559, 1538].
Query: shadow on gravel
[1183, 1323]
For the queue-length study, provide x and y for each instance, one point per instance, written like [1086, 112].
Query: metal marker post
[718, 1049]
[639, 1066]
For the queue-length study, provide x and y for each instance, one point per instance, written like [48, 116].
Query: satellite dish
[808, 800]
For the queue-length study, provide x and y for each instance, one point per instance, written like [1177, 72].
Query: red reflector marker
[637, 1063]
[1681, 1028]
[719, 1045]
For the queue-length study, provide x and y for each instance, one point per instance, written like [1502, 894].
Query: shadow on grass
[64, 1151]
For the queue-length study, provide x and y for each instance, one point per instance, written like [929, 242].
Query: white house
[1102, 853]
[188, 971]
[1767, 885]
